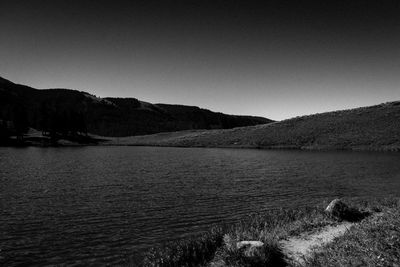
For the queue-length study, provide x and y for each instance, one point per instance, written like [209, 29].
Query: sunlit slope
[368, 128]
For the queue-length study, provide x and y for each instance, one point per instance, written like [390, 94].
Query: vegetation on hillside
[368, 128]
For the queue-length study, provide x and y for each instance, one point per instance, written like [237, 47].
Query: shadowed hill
[368, 128]
[65, 109]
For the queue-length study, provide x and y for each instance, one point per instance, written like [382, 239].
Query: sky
[278, 60]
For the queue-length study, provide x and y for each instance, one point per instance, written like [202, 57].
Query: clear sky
[279, 60]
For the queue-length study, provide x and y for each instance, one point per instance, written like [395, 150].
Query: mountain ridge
[109, 116]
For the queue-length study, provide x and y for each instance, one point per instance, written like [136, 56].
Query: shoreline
[360, 149]
[106, 144]
[274, 237]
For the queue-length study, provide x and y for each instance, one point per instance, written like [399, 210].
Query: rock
[341, 211]
[250, 247]
[217, 263]
[338, 209]
[241, 244]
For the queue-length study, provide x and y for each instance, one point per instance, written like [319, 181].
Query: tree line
[55, 122]
[52, 121]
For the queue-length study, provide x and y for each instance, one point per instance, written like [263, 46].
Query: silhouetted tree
[56, 122]
[44, 123]
[4, 131]
[80, 122]
[20, 121]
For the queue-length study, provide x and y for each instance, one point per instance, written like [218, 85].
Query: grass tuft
[191, 252]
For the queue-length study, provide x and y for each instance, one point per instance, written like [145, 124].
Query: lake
[105, 205]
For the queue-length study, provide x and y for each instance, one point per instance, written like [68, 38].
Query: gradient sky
[280, 60]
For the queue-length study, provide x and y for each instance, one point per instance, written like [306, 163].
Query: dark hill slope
[109, 116]
[369, 128]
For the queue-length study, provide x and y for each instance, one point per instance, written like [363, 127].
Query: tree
[44, 121]
[4, 131]
[20, 121]
[81, 123]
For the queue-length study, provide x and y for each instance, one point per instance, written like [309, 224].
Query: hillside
[71, 110]
[368, 128]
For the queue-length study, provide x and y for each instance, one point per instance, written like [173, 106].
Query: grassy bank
[374, 241]
[368, 128]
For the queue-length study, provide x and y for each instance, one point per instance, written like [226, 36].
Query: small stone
[255, 244]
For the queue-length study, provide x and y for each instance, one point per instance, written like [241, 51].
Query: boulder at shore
[341, 211]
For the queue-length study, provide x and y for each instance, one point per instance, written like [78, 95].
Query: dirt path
[298, 248]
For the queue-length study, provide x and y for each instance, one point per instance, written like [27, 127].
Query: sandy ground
[299, 248]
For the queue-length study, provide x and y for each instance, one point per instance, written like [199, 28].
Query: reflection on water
[105, 204]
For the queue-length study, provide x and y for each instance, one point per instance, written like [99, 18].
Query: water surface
[99, 205]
